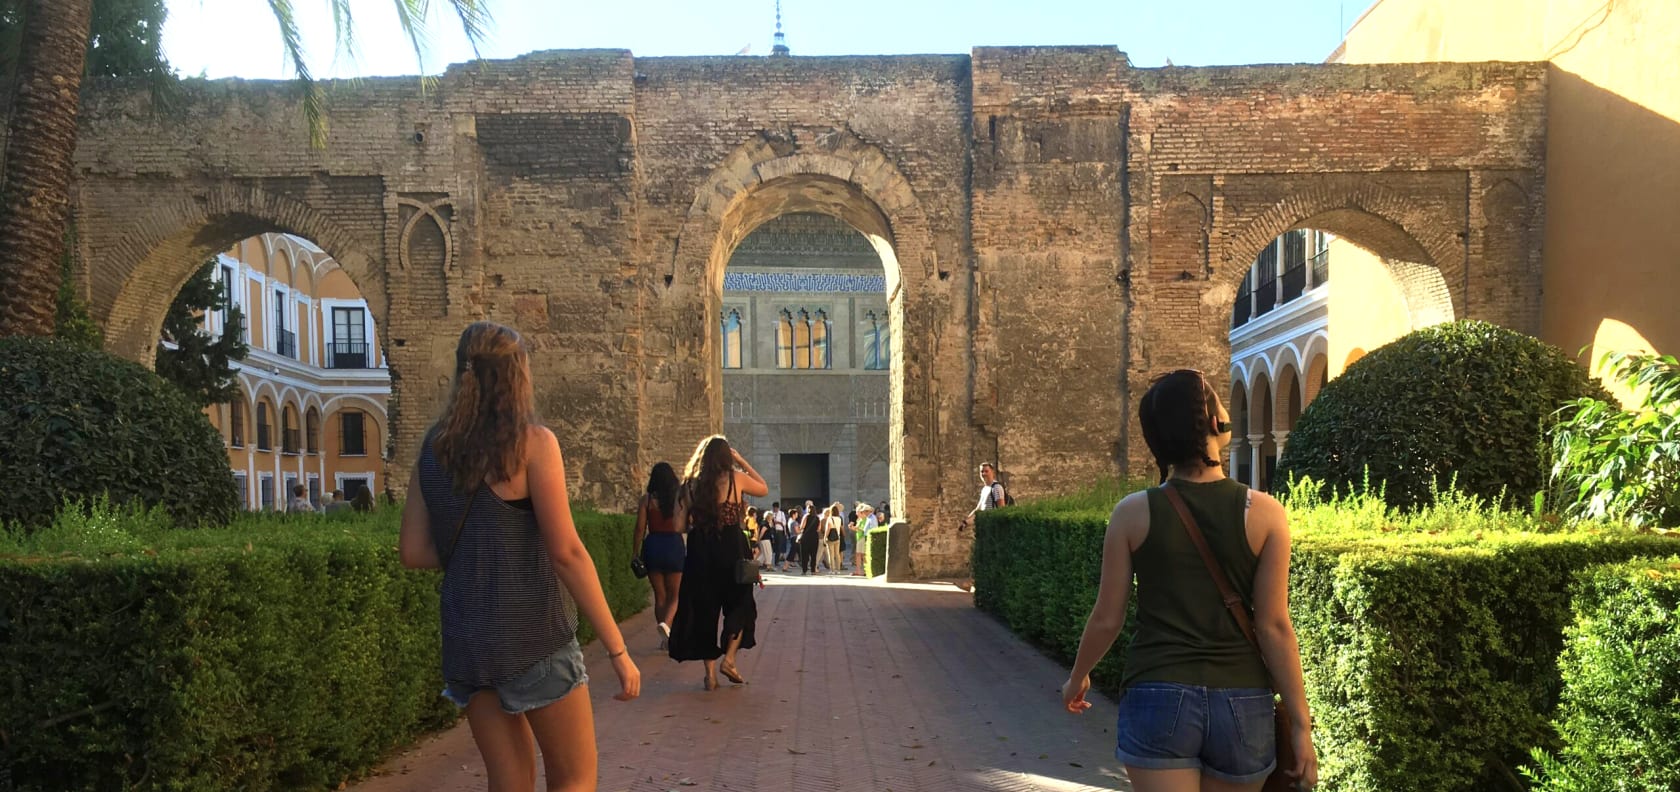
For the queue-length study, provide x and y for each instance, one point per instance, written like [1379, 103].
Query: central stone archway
[835, 174]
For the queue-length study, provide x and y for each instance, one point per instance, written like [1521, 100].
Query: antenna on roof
[781, 48]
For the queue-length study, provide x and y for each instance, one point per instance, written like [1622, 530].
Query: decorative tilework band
[802, 282]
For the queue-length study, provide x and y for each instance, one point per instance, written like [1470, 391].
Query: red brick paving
[855, 685]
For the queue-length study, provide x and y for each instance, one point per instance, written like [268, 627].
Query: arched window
[289, 431]
[802, 341]
[312, 430]
[265, 442]
[820, 331]
[732, 340]
[784, 341]
[877, 349]
[236, 421]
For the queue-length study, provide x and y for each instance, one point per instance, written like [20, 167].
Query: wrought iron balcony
[286, 344]
[289, 441]
[1265, 297]
[348, 355]
[264, 442]
[1243, 311]
[1294, 283]
[1320, 264]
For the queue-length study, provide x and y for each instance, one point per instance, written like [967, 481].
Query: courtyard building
[313, 391]
[806, 353]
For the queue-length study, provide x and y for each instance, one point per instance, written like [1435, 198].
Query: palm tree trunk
[40, 152]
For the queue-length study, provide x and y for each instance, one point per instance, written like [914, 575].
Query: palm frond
[314, 104]
[475, 22]
[344, 29]
[411, 15]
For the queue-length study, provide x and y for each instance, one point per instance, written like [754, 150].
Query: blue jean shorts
[541, 685]
[1227, 733]
[663, 552]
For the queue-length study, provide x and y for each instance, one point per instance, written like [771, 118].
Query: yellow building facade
[1611, 255]
[312, 406]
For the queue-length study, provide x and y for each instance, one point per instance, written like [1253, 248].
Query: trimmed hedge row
[1431, 651]
[1618, 719]
[875, 552]
[278, 653]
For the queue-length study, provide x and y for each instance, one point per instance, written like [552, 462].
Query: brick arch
[833, 173]
[163, 248]
[1374, 217]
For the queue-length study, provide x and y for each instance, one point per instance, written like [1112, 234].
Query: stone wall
[1055, 226]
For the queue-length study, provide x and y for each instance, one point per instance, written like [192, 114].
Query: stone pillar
[1256, 445]
[1236, 456]
[1282, 437]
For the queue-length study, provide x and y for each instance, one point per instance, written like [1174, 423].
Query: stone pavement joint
[855, 685]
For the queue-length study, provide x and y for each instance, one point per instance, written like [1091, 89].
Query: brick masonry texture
[1059, 226]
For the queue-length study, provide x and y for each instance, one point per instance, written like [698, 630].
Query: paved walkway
[855, 685]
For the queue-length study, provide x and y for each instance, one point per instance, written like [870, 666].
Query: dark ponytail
[1179, 412]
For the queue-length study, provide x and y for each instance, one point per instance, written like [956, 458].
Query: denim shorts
[541, 685]
[1227, 733]
[663, 552]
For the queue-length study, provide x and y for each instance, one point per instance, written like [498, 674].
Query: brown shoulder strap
[1233, 602]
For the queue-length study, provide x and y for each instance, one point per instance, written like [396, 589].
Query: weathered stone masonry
[1057, 226]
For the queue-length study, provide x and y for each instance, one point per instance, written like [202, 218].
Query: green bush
[281, 652]
[1461, 405]
[875, 552]
[1618, 464]
[1621, 682]
[80, 424]
[1430, 638]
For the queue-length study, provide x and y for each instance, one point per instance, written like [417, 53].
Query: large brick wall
[1057, 226]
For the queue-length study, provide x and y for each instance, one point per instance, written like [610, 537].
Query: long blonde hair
[481, 436]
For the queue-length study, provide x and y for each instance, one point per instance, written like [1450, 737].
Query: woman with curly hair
[711, 506]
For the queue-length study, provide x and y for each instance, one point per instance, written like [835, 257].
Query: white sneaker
[664, 636]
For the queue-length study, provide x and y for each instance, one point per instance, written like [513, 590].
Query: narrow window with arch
[732, 358]
[821, 329]
[874, 343]
[784, 340]
[802, 341]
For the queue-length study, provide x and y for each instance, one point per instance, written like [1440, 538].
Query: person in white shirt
[992, 496]
[779, 535]
[299, 502]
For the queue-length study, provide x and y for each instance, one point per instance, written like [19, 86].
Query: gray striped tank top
[503, 608]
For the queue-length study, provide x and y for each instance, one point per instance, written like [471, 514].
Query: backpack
[1008, 499]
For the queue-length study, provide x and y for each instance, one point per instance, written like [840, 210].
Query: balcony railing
[1243, 311]
[1320, 263]
[348, 355]
[264, 442]
[289, 441]
[286, 344]
[1294, 283]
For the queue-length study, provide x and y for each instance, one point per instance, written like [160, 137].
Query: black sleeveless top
[503, 608]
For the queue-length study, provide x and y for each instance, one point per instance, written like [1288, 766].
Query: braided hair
[1179, 412]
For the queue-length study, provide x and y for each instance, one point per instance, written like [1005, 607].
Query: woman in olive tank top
[1197, 699]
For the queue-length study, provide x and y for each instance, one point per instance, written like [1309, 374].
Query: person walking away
[810, 539]
[488, 504]
[796, 533]
[363, 502]
[1196, 707]
[779, 534]
[338, 503]
[713, 485]
[834, 527]
[659, 543]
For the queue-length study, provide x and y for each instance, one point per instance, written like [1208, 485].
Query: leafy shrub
[1430, 638]
[81, 424]
[1621, 678]
[1459, 405]
[1611, 463]
[281, 652]
[875, 552]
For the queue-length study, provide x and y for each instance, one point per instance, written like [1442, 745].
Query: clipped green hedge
[1620, 716]
[1430, 641]
[80, 424]
[282, 652]
[875, 552]
[1462, 405]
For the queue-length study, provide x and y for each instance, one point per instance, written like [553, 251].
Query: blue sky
[236, 38]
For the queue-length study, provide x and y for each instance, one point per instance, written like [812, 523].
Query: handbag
[638, 568]
[1279, 780]
[746, 571]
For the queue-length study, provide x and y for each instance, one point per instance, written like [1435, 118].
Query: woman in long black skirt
[716, 481]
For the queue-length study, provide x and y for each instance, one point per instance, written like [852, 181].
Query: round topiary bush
[79, 423]
[1469, 400]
